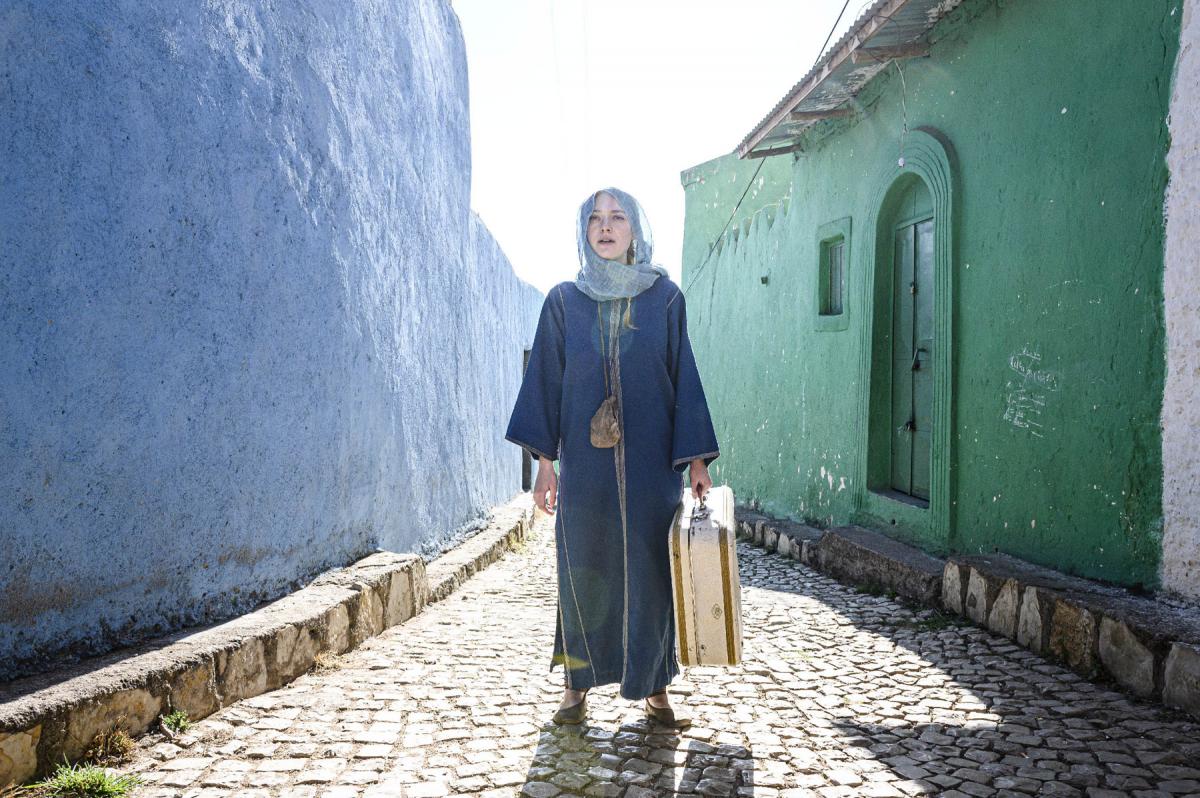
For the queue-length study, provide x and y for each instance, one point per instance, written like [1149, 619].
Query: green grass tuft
[84, 781]
[176, 723]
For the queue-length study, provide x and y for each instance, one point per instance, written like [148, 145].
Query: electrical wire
[903, 110]
[712, 248]
[831, 30]
[754, 177]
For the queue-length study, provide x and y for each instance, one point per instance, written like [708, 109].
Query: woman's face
[608, 229]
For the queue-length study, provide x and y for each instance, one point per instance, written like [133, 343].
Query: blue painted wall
[249, 327]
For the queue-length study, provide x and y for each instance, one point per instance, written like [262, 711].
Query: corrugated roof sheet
[835, 78]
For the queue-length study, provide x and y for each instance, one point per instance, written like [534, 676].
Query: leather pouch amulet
[606, 431]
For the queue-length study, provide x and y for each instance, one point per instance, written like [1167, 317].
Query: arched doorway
[905, 445]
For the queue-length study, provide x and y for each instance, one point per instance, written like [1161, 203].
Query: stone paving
[841, 694]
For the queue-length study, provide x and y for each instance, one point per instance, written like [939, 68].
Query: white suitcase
[704, 580]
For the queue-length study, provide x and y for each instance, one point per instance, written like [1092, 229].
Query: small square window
[831, 277]
[833, 262]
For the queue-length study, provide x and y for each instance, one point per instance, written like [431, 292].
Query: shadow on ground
[637, 760]
[897, 697]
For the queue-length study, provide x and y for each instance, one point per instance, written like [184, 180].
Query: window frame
[829, 235]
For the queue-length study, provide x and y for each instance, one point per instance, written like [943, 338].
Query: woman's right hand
[545, 487]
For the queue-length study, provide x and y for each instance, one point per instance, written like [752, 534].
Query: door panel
[912, 358]
[922, 377]
[902, 349]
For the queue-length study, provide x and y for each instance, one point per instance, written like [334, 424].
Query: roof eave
[851, 47]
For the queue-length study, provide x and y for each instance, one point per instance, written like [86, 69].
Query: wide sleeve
[693, 436]
[535, 417]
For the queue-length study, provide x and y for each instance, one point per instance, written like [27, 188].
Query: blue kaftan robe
[615, 505]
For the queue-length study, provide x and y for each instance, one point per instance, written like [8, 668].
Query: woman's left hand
[699, 479]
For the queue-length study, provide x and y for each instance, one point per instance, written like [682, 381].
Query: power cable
[753, 177]
[831, 30]
[713, 246]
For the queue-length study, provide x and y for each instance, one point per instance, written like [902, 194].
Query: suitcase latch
[700, 511]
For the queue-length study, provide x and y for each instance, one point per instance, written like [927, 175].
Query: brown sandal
[666, 716]
[573, 714]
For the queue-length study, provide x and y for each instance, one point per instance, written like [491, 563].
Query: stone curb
[850, 554]
[861, 556]
[787, 538]
[509, 525]
[44, 718]
[1150, 649]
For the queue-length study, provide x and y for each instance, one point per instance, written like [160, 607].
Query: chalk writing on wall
[1025, 392]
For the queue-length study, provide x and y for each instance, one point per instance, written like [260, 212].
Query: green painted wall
[1057, 266]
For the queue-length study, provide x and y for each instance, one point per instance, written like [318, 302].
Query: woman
[619, 330]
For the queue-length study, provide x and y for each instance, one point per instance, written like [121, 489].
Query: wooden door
[912, 357]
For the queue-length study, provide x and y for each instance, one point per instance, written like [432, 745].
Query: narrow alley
[303, 304]
[841, 694]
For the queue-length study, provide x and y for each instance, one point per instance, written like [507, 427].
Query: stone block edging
[1149, 648]
[851, 554]
[44, 718]
[787, 538]
[509, 525]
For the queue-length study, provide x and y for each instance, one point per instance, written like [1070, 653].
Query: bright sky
[569, 96]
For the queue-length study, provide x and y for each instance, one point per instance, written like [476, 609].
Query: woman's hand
[699, 479]
[545, 486]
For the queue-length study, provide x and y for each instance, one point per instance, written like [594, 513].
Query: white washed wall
[250, 328]
[1181, 288]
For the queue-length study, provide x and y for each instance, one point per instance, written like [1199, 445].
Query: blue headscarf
[603, 279]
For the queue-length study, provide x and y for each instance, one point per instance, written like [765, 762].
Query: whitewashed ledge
[48, 717]
[508, 527]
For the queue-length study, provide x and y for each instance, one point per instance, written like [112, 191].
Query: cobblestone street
[841, 694]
